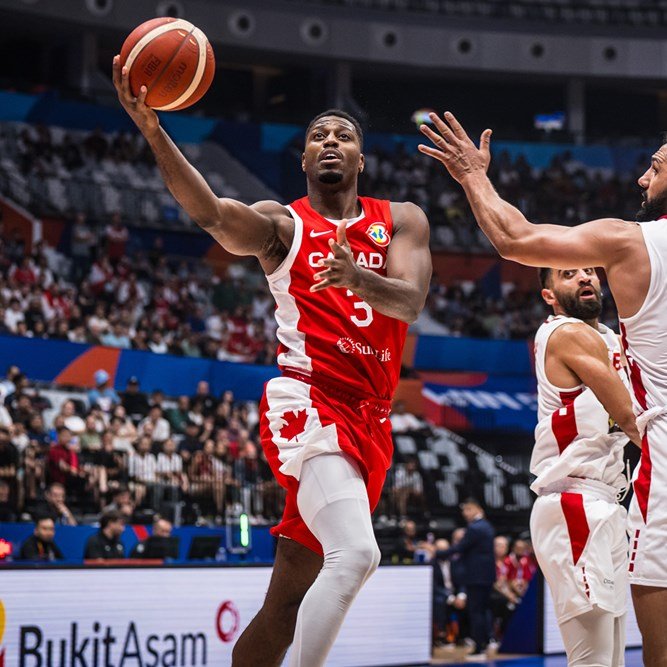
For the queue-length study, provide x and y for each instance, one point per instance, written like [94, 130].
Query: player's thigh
[294, 570]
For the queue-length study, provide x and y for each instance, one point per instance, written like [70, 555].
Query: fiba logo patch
[346, 345]
[379, 234]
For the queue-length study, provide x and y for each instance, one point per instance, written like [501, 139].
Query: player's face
[654, 185]
[333, 153]
[575, 293]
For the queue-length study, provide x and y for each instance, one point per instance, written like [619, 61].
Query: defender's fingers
[125, 83]
[457, 128]
[339, 251]
[323, 275]
[437, 139]
[443, 128]
[431, 152]
[485, 141]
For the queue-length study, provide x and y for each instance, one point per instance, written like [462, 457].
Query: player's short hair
[340, 114]
[109, 517]
[544, 274]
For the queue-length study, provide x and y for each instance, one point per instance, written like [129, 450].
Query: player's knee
[352, 567]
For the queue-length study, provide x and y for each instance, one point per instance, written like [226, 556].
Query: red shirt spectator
[117, 235]
[23, 274]
[63, 462]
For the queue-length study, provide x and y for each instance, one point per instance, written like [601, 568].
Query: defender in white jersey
[577, 527]
[634, 257]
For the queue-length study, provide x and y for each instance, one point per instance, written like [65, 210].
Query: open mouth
[588, 294]
[330, 157]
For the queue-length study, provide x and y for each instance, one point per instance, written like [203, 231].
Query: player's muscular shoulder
[408, 216]
[279, 240]
[567, 345]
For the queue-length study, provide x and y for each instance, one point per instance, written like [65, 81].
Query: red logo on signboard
[227, 622]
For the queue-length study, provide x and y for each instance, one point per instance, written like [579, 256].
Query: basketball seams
[199, 73]
[179, 24]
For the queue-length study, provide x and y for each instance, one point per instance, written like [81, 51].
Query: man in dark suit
[477, 557]
[40, 545]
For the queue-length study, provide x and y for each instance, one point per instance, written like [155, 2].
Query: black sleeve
[470, 539]
[57, 553]
[93, 548]
[29, 550]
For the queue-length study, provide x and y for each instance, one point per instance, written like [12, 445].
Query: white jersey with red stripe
[645, 343]
[572, 437]
[333, 334]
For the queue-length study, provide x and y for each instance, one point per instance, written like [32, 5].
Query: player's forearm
[390, 296]
[186, 184]
[621, 412]
[503, 224]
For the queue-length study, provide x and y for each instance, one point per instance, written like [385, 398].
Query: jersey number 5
[368, 312]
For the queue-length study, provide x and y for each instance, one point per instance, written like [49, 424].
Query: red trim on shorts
[633, 553]
[642, 485]
[635, 372]
[564, 426]
[577, 524]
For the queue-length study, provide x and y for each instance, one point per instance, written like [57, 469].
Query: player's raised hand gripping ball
[172, 58]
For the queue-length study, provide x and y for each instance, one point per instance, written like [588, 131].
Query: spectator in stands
[403, 421]
[63, 462]
[190, 444]
[82, 242]
[9, 459]
[116, 235]
[178, 416]
[476, 549]
[116, 337]
[90, 440]
[7, 507]
[408, 487]
[55, 505]
[520, 567]
[208, 476]
[134, 400]
[40, 546]
[158, 545]
[71, 420]
[160, 429]
[407, 544]
[104, 395]
[142, 467]
[106, 544]
[14, 315]
[170, 470]
[503, 598]
[204, 398]
[110, 466]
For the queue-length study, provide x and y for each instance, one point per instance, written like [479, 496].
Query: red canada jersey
[333, 333]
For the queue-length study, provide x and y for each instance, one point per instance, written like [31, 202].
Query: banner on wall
[192, 617]
[477, 401]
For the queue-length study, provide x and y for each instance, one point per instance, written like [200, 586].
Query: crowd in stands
[130, 452]
[101, 293]
[567, 192]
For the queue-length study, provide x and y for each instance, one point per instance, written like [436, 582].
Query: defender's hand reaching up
[455, 149]
[342, 270]
[144, 117]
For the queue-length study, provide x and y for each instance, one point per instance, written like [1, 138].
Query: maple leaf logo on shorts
[295, 423]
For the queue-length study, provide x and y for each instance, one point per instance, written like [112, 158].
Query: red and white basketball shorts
[581, 546]
[647, 518]
[301, 418]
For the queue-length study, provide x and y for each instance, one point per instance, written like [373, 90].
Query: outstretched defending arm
[240, 229]
[402, 292]
[597, 243]
[582, 352]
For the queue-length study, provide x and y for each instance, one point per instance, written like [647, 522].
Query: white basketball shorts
[581, 546]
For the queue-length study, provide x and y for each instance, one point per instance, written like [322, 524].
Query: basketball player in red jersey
[348, 274]
[634, 257]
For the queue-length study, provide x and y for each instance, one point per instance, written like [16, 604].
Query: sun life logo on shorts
[350, 346]
[378, 233]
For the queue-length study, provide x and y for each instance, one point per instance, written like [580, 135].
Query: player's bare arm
[577, 355]
[402, 292]
[614, 244]
[264, 229]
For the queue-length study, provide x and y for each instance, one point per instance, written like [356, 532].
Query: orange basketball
[172, 58]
